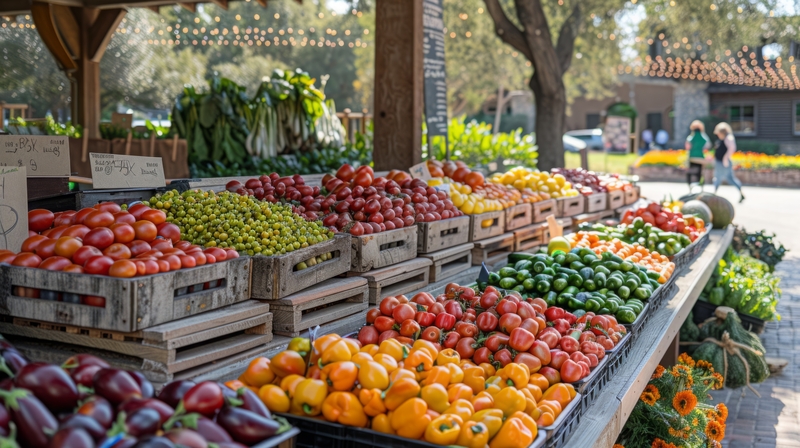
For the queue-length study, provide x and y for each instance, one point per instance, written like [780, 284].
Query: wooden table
[603, 420]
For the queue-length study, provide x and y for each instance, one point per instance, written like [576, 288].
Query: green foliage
[109, 131]
[759, 146]
[476, 145]
[48, 127]
[759, 245]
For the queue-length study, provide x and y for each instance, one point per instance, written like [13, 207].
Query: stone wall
[780, 178]
[690, 103]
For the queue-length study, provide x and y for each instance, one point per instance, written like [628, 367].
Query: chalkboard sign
[433, 67]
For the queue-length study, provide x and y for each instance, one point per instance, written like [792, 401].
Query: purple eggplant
[99, 409]
[31, 417]
[142, 422]
[144, 384]
[245, 426]
[206, 427]
[154, 442]
[4, 420]
[230, 445]
[185, 437]
[84, 375]
[134, 404]
[71, 438]
[115, 385]
[250, 401]
[88, 424]
[51, 384]
[11, 362]
[173, 392]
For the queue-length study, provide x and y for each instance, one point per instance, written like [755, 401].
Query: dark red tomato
[169, 231]
[77, 230]
[7, 257]
[137, 210]
[139, 247]
[55, 232]
[98, 218]
[173, 260]
[123, 269]
[97, 301]
[187, 261]
[199, 258]
[161, 244]
[481, 355]
[124, 217]
[98, 265]
[204, 398]
[123, 233]
[231, 253]
[402, 312]
[218, 253]
[64, 219]
[84, 253]
[82, 214]
[151, 267]
[432, 334]
[27, 259]
[150, 253]
[40, 219]
[163, 265]
[503, 356]
[100, 237]
[145, 230]
[73, 268]
[141, 269]
[154, 216]
[368, 335]
[346, 173]
[30, 243]
[464, 348]
[66, 246]
[111, 207]
[384, 323]
[117, 251]
[55, 263]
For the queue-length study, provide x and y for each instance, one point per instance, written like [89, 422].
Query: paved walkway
[774, 419]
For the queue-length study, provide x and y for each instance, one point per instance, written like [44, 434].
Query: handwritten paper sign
[120, 171]
[435, 84]
[13, 208]
[41, 155]
[420, 171]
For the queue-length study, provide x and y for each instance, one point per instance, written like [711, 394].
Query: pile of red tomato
[105, 240]
[288, 189]
[666, 220]
[490, 328]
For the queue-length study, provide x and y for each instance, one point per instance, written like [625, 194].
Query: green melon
[699, 209]
[721, 209]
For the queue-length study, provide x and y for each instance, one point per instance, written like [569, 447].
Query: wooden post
[398, 84]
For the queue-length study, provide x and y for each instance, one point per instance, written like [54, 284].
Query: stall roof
[14, 7]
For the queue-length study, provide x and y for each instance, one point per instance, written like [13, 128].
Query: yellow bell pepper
[444, 430]
[457, 391]
[308, 397]
[482, 400]
[438, 375]
[361, 357]
[388, 363]
[393, 348]
[289, 384]
[461, 408]
[370, 349]
[275, 398]
[372, 401]
[530, 402]
[559, 392]
[300, 345]
[492, 418]
[344, 408]
[535, 391]
[488, 369]
[340, 376]
[529, 422]
[418, 360]
[337, 351]
[372, 375]
[475, 379]
[435, 395]
[466, 363]
[426, 345]
[399, 392]
[381, 423]
[513, 434]
[456, 374]
[514, 374]
[411, 418]
[448, 356]
[320, 345]
[494, 385]
[509, 400]
[473, 435]
[353, 344]
[401, 373]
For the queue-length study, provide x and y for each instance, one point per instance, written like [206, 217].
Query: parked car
[572, 144]
[592, 137]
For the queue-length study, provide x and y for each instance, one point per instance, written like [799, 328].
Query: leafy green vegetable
[746, 285]
[48, 127]
[759, 245]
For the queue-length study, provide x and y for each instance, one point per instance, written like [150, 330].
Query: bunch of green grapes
[244, 223]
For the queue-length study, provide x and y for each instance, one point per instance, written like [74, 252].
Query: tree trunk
[551, 108]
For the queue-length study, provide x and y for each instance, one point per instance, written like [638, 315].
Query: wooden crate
[438, 235]
[493, 250]
[596, 202]
[397, 279]
[496, 225]
[631, 196]
[565, 223]
[449, 262]
[543, 209]
[518, 216]
[616, 199]
[586, 217]
[277, 276]
[162, 351]
[326, 302]
[566, 207]
[529, 238]
[131, 303]
[383, 249]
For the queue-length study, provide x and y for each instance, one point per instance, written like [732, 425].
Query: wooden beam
[262, 3]
[191, 7]
[46, 26]
[398, 84]
[67, 28]
[101, 31]
[155, 9]
[221, 3]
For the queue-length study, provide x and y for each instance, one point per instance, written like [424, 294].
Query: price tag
[420, 171]
[120, 171]
[41, 155]
[13, 208]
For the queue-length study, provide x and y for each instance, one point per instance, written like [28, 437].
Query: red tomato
[46, 249]
[231, 253]
[346, 173]
[173, 260]
[521, 339]
[94, 301]
[77, 230]
[40, 219]
[55, 232]
[141, 268]
[55, 263]
[210, 259]
[111, 207]
[124, 217]
[384, 323]
[533, 363]
[139, 247]
[432, 334]
[137, 210]
[82, 214]
[151, 267]
[30, 243]
[402, 312]
[570, 371]
[540, 350]
[169, 231]
[8, 258]
[123, 233]
[98, 265]
[74, 268]
[163, 265]
[66, 246]
[64, 218]
[187, 261]
[145, 230]
[27, 259]
[388, 304]
[154, 216]
[464, 348]
[409, 328]
[85, 253]
[150, 253]
[368, 335]
[117, 251]
[99, 237]
[123, 269]
[182, 245]
[98, 218]
[199, 258]
[161, 244]
[218, 253]
[173, 251]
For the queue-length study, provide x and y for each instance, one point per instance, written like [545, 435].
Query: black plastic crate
[590, 387]
[77, 200]
[703, 310]
[687, 256]
[566, 423]
[279, 439]
[619, 354]
[635, 328]
[663, 293]
[320, 433]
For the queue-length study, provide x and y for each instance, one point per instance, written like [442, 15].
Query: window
[796, 118]
[592, 121]
[654, 121]
[742, 118]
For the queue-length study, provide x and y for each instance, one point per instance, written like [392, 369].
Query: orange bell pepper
[545, 416]
[308, 397]
[382, 423]
[552, 405]
[512, 434]
[320, 345]
[535, 392]
[394, 348]
[258, 373]
[448, 356]
[492, 418]
[337, 351]
[494, 385]
[372, 401]
[428, 346]
[340, 376]
[401, 391]
[411, 419]
[372, 375]
[456, 373]
[527, 421]
[435, 395]
[482, 400]
[539, 380]
[559, 392]
[514, 374]
[461, 408]
[509, 400]
[314, 371]
[438, 374]
[530, 402]
[388, 363]
[444, 430]
[275, 398]
[418, 361]
[401, 373]
[456, 391]
[344, 408]
[289, 384]
[353, 344]
[475, 379]
[361, 357]
[473, 435]
[286, 363]
[370, 349]
[488, 369]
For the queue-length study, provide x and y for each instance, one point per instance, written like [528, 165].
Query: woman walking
[723, 163]
[696, 142]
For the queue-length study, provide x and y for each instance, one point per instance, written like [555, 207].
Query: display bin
[383, 249]
[77, 200]
[616, 199]
[590, 386]
[565, 424]
[570, 206]
[520, 215]
[283, 440]
[543, 209]
[487, 225]
[439, 235]
[703, 311]
[636, 327]
[662, 293]
[690, 253]
[596, 202]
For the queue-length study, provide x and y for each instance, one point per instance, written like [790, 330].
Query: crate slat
[398, 279]
[616, 199]
[596, 202]
[438, 235]
[529, 238]
[543, 209]
[569, 206]
[520, 215]
[449, 262]
[493, 250]
[631, 196]
[495, 225]
[383, 249]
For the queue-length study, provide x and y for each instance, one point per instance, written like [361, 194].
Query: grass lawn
[601, 162]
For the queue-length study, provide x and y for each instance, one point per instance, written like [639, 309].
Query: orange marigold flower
[684, 402]
[648, 398]
[715, 431]
[684, 358]
[617, 445]
[695, 422]
[651, 388]
[702, 364]
[689, 381]
[722, 412]
[719, 381]
[680, 370]
[657, 374]
[658, 443]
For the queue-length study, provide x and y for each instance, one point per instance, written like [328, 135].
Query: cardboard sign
[41, 155]
[420, 171]
[124, 121]
[13, 208]
[120, 171]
